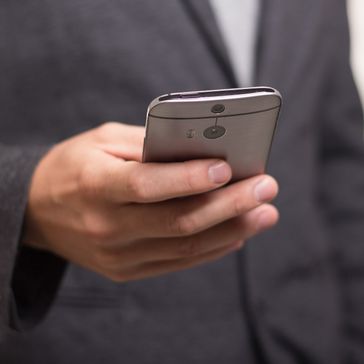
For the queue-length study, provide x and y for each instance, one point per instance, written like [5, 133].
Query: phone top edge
[216, 95]
[196, 104]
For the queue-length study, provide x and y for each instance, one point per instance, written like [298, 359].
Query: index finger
[152, 182]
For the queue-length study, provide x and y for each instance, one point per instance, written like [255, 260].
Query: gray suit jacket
[68, 65]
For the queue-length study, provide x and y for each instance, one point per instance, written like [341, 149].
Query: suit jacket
[66, 66]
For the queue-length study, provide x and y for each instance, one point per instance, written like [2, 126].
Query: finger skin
[153, 182]
[119, 134]
[122, 141]
[128, 180]
[238, 229]
[124, 152]
[154, 269]
[92, 202]
[183, 217]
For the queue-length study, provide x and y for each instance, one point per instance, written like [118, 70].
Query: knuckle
[189, 248]
[97, 229]
[190, 178]
[183, 225]
[239, 206]
[136, 187]
[89, 181]
[107, 128]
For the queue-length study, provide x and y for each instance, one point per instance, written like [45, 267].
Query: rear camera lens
[214, 132]
[218, 108]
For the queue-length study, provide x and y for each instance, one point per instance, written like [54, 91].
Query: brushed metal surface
[175, 129]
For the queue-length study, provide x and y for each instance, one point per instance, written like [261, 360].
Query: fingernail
[219, 172]
[265, 190]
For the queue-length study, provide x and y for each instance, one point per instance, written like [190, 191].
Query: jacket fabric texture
[66, 66]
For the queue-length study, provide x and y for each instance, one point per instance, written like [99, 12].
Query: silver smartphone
[236, 125]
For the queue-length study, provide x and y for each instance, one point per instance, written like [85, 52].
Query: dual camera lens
[216, 131]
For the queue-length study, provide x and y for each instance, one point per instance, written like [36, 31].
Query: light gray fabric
[238, 22]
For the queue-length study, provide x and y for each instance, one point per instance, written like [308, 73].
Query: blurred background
[356, 13]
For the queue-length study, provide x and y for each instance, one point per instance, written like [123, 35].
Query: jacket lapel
[274, 25]
[285, 23]
[204, 21]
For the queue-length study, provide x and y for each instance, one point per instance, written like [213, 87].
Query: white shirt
[238, 21]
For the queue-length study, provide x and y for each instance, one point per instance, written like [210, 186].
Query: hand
[92, 202]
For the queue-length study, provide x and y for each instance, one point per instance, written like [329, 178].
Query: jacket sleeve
[28, 278]
[342, 182]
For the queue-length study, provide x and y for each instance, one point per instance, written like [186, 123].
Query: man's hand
[92, 202]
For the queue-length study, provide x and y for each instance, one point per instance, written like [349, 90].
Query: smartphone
[237, 125]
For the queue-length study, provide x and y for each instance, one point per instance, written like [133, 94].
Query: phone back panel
[174, 135]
